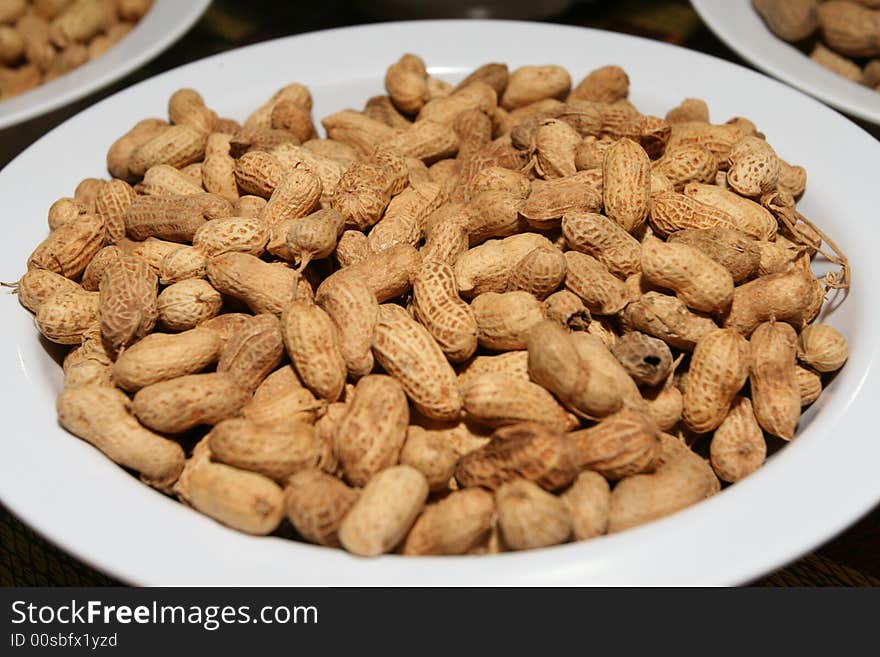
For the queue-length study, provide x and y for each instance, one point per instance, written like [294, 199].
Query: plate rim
[186, 13]
[671, 523]
[706, 9]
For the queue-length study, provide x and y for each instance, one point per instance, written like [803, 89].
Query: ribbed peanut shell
[588, 500]
[438, 307]
[667, 318]
[253, 351]
[311, 341]
[100, 415]
[514, 364]
[316, 503]
[621, 445]
[174, 218]
[187, 401]
[775, 392]
[601, 291]
[430, 453]
[732, 249]
[67, 315]
[822, 347]
[697, 279]
[719, 368]
[354, 310]
[738, 447]
[604, 239]
[745, 215]
[493, 213]
[275, 452]
[529, 517]
[128, 306]
[540, 272]
[187, 303]
[370, 436]
[279, 405]
[527, 450]
[503, 320]
[753, 167]
[671, 212]
[182, 263]
[265, 288]
[357, 130]
[404, 217]
[387, 274]
[689, 163]
[111, 203]
[71, 247]
[549, 201]
[165, 356]
[240, 234]
[119, 154]
[627, 184]
[165, 180]
[809, 384]
[37, 285]
[385, 511]
[296, 195]
[681, 480]
[529, 84]
[406, 350]
[246, 501]
[177, 145]
[496, 400]
[785, 297]
[487, 267]
[426, 140]
[454, 525]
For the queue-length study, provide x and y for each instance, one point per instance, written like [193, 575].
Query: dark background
[852, 559]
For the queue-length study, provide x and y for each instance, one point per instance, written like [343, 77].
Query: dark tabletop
[851, 559]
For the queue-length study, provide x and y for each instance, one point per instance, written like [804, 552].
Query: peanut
[772, 376]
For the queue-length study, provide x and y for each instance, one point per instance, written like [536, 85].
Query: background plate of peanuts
[486, 289]
[54, 52]
[829, 49]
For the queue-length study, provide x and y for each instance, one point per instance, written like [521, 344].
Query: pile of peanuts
[42, 39]
[494, 316]
[841, 35]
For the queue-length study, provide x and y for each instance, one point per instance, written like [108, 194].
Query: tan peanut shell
[809, 384]
[549, 201]
[496, 400]
[66, 316]
[488, 267]
[246, 501]
[127, 302]
[627, 184]
[671, 211]
[682, 479]
[601, 292]
[700, 282]
[37, 285]
[385, 511]
[430, 453]
[621, 445]
[454, 525]
[239, 234]
[100, 415]
[316, 503]
[745, 215]
[822, 347]
[263, 287]
[598, 236]
[511, 363]
[503, 320]
[646, 359]
[667, 318]
[437, 306]
[372, 433]
[355, 311]
[188, 303]
[275, 452]
[528, 84]
[588, 500]
[530, 517]
[529, 451]
[184, 402]
[406, 350]
[567, 309]
[789, 20]
[732, 249]
[775, 393]
[311, 342]
[785, 297]
[253, 351]
[540, 272]
[738, 447]
[69, 248]
[165, 356]
[719, 368]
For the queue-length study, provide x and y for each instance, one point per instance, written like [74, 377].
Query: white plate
[166, 22]
[823, 482]
[737, 24]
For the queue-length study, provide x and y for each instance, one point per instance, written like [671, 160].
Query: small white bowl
[164, 24]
